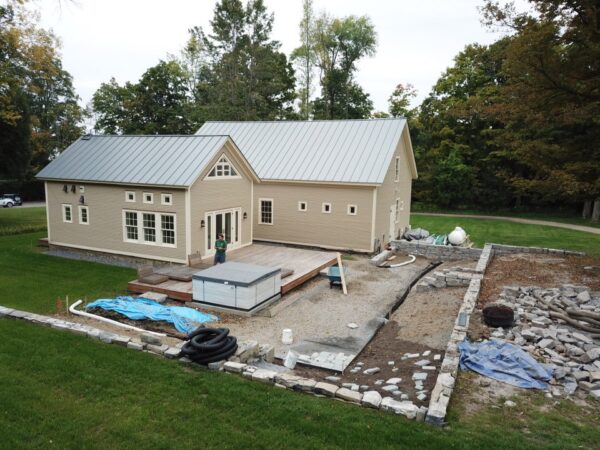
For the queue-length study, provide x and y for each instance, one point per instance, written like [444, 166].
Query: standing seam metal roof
[148, 160]
[344, 151]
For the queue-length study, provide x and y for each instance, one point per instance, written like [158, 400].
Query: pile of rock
[548, 324]
[456, 276]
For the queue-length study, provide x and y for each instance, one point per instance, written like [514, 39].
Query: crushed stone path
[568, 226]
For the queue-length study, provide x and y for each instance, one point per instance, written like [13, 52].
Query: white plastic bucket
[287, 336]
[290, 359]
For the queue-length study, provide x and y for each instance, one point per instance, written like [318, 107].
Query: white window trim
[125, 238]
[397, 169]
[151, 202]
[260, 200]
[352, 213]
[127, 196]
[87, 210]
[300, 206]
[163, 200]
[221, 177]
[82, 189]
[157, 228]
[323, 208]
[64, 212]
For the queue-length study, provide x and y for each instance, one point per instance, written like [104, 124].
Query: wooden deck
[304, 263]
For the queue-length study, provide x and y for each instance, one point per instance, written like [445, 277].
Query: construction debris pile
[457, 237]
[560, 326]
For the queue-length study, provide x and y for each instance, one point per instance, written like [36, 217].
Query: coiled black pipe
[206, 345]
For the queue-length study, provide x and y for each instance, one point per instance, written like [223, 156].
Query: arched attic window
[223, 169]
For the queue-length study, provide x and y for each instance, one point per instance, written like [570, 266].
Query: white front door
[226, 222]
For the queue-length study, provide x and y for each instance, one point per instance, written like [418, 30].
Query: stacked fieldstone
[457, 276]
[572, 353]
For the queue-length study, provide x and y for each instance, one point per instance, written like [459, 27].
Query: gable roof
[340, 151]
[148, 160]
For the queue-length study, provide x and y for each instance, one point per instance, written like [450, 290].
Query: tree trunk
[587, 209]
[596, 211]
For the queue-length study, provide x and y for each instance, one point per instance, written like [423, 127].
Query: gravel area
[319, 316]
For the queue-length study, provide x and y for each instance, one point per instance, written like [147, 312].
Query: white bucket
[287, 337]
[290, 359]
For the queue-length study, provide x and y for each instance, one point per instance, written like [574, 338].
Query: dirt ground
[423, 322]
[546, 271]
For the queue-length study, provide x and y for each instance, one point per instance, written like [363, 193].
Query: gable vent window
[166, 199]
[129, 196]
[223, 169]
[326, 208]
[352, 209]
[302, 206]
[148, 198]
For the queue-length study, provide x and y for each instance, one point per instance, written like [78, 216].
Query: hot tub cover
[236, 273]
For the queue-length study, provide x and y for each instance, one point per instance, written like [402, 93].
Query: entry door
[226, 222]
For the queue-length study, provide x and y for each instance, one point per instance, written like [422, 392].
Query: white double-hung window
[151, 228]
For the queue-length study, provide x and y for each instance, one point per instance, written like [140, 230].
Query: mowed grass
[562, 217]
[61, 390]
[33, 281]
[21, 220]
[482, 231]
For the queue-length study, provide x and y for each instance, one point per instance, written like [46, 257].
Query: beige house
[331, 184]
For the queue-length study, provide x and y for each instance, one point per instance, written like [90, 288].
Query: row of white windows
[67, 214]
[266, 210]
[151, 228]
[148, 198]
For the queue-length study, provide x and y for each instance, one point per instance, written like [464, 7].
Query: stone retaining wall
[451, 253]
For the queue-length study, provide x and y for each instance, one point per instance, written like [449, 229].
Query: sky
[417, 40]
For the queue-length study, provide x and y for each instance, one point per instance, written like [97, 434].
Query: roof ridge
[309, 121]
[157, 135]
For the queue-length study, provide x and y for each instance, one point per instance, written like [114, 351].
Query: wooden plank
[339, 261]
[285, 288]
[140, 288]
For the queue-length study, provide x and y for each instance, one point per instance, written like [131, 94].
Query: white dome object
[458, 236]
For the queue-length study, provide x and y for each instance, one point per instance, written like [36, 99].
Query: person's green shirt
[221, 245]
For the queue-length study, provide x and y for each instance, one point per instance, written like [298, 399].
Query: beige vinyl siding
[104, 232]
[313, 227]
[390, 190]
[215, 194]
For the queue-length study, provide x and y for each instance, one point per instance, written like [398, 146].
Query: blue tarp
[185, 319]
[505, 362]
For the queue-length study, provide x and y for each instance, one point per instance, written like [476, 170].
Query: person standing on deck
[221, 248]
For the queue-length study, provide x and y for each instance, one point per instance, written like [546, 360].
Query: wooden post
[342, 276]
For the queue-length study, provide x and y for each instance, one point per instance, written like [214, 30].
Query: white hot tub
[236, 286]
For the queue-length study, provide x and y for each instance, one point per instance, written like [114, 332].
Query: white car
[7, 202]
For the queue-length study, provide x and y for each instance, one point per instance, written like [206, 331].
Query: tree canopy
[39, 110]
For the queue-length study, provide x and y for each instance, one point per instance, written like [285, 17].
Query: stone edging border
[94, 333]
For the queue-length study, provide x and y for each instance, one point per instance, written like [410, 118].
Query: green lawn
[503, 232]
[62, 390]
[33, 281]
[21, 220]
[562, 217]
